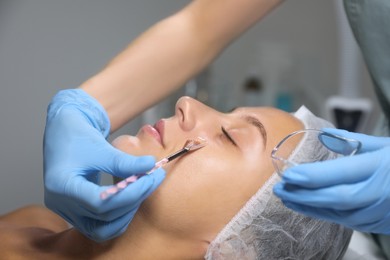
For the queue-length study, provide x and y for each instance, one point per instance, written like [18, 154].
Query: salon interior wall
[294, 52]
[48, 45]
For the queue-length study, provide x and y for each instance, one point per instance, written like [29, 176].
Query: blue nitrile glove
[352, 191]
[75, 150]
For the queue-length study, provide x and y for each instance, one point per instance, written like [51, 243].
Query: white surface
[350, 104]
[362, 247]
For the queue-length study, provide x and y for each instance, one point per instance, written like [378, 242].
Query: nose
[192, 113]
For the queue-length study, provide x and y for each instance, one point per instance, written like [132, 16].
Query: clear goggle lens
[324, 145]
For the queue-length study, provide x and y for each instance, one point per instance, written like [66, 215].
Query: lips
[159, 126]
[155, 131]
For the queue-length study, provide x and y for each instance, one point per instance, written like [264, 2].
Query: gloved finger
[73, 218]
[115, 206]
[355, 219]
[101, 231]
[95, 229]
[123, 165]
[99, 211]
[344, 170]
[114, 229]
[135, 192]
[319, 213]
[381, 226]
[70, 218]
[364, 219]
[340, 197]
[369, 143]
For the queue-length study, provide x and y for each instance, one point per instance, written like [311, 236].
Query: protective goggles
[323, 144]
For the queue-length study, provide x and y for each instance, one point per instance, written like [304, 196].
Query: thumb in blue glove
[352, 191]
[75, 151]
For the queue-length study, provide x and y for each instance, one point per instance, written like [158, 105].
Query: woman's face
[204, 189]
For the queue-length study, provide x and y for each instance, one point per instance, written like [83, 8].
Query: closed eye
[227, 135]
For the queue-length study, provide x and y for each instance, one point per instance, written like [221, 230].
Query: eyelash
[227, 135]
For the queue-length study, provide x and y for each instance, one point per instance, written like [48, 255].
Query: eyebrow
[256, 123]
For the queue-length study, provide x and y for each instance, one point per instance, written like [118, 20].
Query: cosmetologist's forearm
[163, 58]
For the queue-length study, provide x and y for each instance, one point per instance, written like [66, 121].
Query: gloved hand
[352, 191]
[75, 150]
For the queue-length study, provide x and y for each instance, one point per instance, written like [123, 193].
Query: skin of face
[204, 189]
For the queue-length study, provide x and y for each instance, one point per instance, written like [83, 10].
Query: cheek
[191, 180]
[206, 183]
[215, 175]
[190, 174]
[203, 185]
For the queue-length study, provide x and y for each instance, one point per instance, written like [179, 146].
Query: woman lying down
[215, 203]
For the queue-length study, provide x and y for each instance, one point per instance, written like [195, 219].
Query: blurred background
[293, 57]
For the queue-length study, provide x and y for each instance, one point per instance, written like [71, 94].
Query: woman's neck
[145, 241]
[140, 241]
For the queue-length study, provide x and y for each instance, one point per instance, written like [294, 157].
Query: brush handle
[177, 154]
[124, 183]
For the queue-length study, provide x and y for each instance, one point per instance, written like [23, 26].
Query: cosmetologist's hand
[75, 151]
[352, 191]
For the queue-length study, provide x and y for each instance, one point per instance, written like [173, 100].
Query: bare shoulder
[34, 216]
[8, 248]
[22, 230]
[20, 242]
